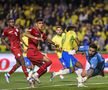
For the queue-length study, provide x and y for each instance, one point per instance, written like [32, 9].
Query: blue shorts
[68, 60]
[27, 61]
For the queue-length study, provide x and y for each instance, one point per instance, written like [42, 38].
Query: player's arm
[4, 42]
[75, 49]
[83, 48]
[29, 35]
[57, 48]
[93, 65]
[78, 43]
[51, 42]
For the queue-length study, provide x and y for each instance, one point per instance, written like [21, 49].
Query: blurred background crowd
[89, 16]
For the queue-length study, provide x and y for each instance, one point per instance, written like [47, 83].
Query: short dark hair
[70, 27]
[9, 19]
[39, 19]
[58, 26]
[93, 45]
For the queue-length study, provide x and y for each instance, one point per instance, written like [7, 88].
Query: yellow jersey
[57, 39]
[69, 41]
[25, 39]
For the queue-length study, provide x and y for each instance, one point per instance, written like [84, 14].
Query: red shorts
[35, 56]
[17, 52]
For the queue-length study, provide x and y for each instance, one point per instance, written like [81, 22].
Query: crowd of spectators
[89, 16]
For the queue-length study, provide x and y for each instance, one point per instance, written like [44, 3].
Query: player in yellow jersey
[57, 39]
[68, 44]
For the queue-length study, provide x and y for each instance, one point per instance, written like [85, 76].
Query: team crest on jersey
[19, 54]
[16, 29]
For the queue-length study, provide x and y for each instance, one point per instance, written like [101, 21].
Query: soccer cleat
[79, 79]
[61, 77]
[7, 76]
[84, 79]
[31, 82]
[81, 85]
[52, 76]
[35, 76]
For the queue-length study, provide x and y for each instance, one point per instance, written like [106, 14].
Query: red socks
[13, 69]
[25, 70]
[43, 68]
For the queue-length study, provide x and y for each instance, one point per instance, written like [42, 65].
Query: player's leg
[43, 67]
[40, 60]
[14, 68]
[78, 70]
[79, 78]
[65, 70]
[60, 72]
[29, 66]
[21, 59]
[19, 56]
[91, 72]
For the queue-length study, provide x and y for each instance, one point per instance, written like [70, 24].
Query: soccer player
[28, 63]
[35, 35]
[57, 39]
[95, 60]
[69, 46]
[13, 35]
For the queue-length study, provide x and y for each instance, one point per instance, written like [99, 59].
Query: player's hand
[7, 47]
[84, 72]
[56, 45]
[39, 48]
[40, 39]
[59, 49]
[72, 52]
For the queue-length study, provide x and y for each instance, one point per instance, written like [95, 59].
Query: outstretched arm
[27, 33]
[51, 42]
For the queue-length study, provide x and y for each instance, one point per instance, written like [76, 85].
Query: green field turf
[18, 82]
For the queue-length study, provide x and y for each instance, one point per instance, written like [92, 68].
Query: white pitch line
[53, 86]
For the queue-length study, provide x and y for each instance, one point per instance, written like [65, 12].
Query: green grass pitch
[18, 82]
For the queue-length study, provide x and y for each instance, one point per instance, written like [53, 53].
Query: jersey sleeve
[53, 39]
[29, 30]
[100, 58]
[74, 35]
[83, 48]
[44, 37]
[93, 62]
[4, 34]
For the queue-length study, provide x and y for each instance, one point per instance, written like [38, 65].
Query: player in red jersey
[13, 35]
[35, 35]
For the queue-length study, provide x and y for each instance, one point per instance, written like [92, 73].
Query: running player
[35, 35]
[69, 46]
[13, 35]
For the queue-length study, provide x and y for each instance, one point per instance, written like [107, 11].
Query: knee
[49, 62]
[79, 65]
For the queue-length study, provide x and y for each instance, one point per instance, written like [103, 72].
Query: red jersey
[33, 43]
[13, 35]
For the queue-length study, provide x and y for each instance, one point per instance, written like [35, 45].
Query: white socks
[30, 73]
[79, 72]
[64, 71]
